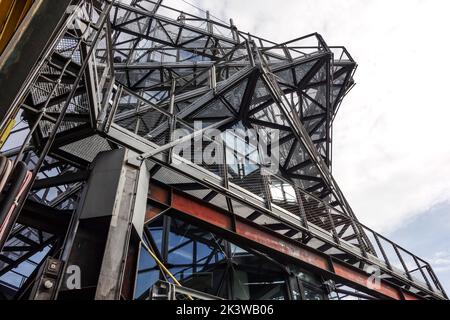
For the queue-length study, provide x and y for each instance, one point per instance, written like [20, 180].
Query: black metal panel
[24, 51]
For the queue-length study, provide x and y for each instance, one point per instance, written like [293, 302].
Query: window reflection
[202, 261]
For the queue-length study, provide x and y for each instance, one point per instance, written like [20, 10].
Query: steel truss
[118, 75]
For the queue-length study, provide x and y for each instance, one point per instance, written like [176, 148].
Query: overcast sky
[391, 149]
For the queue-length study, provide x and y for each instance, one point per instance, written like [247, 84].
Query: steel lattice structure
[94, 123]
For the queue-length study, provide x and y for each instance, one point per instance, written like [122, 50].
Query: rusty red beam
[245, 230]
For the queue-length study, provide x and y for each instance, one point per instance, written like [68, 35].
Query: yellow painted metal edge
[14, 17]
[5, 10]
[4, 134]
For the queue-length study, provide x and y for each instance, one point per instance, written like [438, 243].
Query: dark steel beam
[44, 218]
[63, 179]
[268, 240]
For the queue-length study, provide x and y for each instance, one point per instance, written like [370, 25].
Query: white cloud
[440, 261]
[391, 156]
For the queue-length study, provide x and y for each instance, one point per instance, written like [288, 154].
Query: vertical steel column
[128, 219]
[111, 219]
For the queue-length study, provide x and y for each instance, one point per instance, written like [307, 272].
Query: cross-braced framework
[124, 75]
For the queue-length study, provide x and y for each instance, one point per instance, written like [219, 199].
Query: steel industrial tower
[96, 204]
